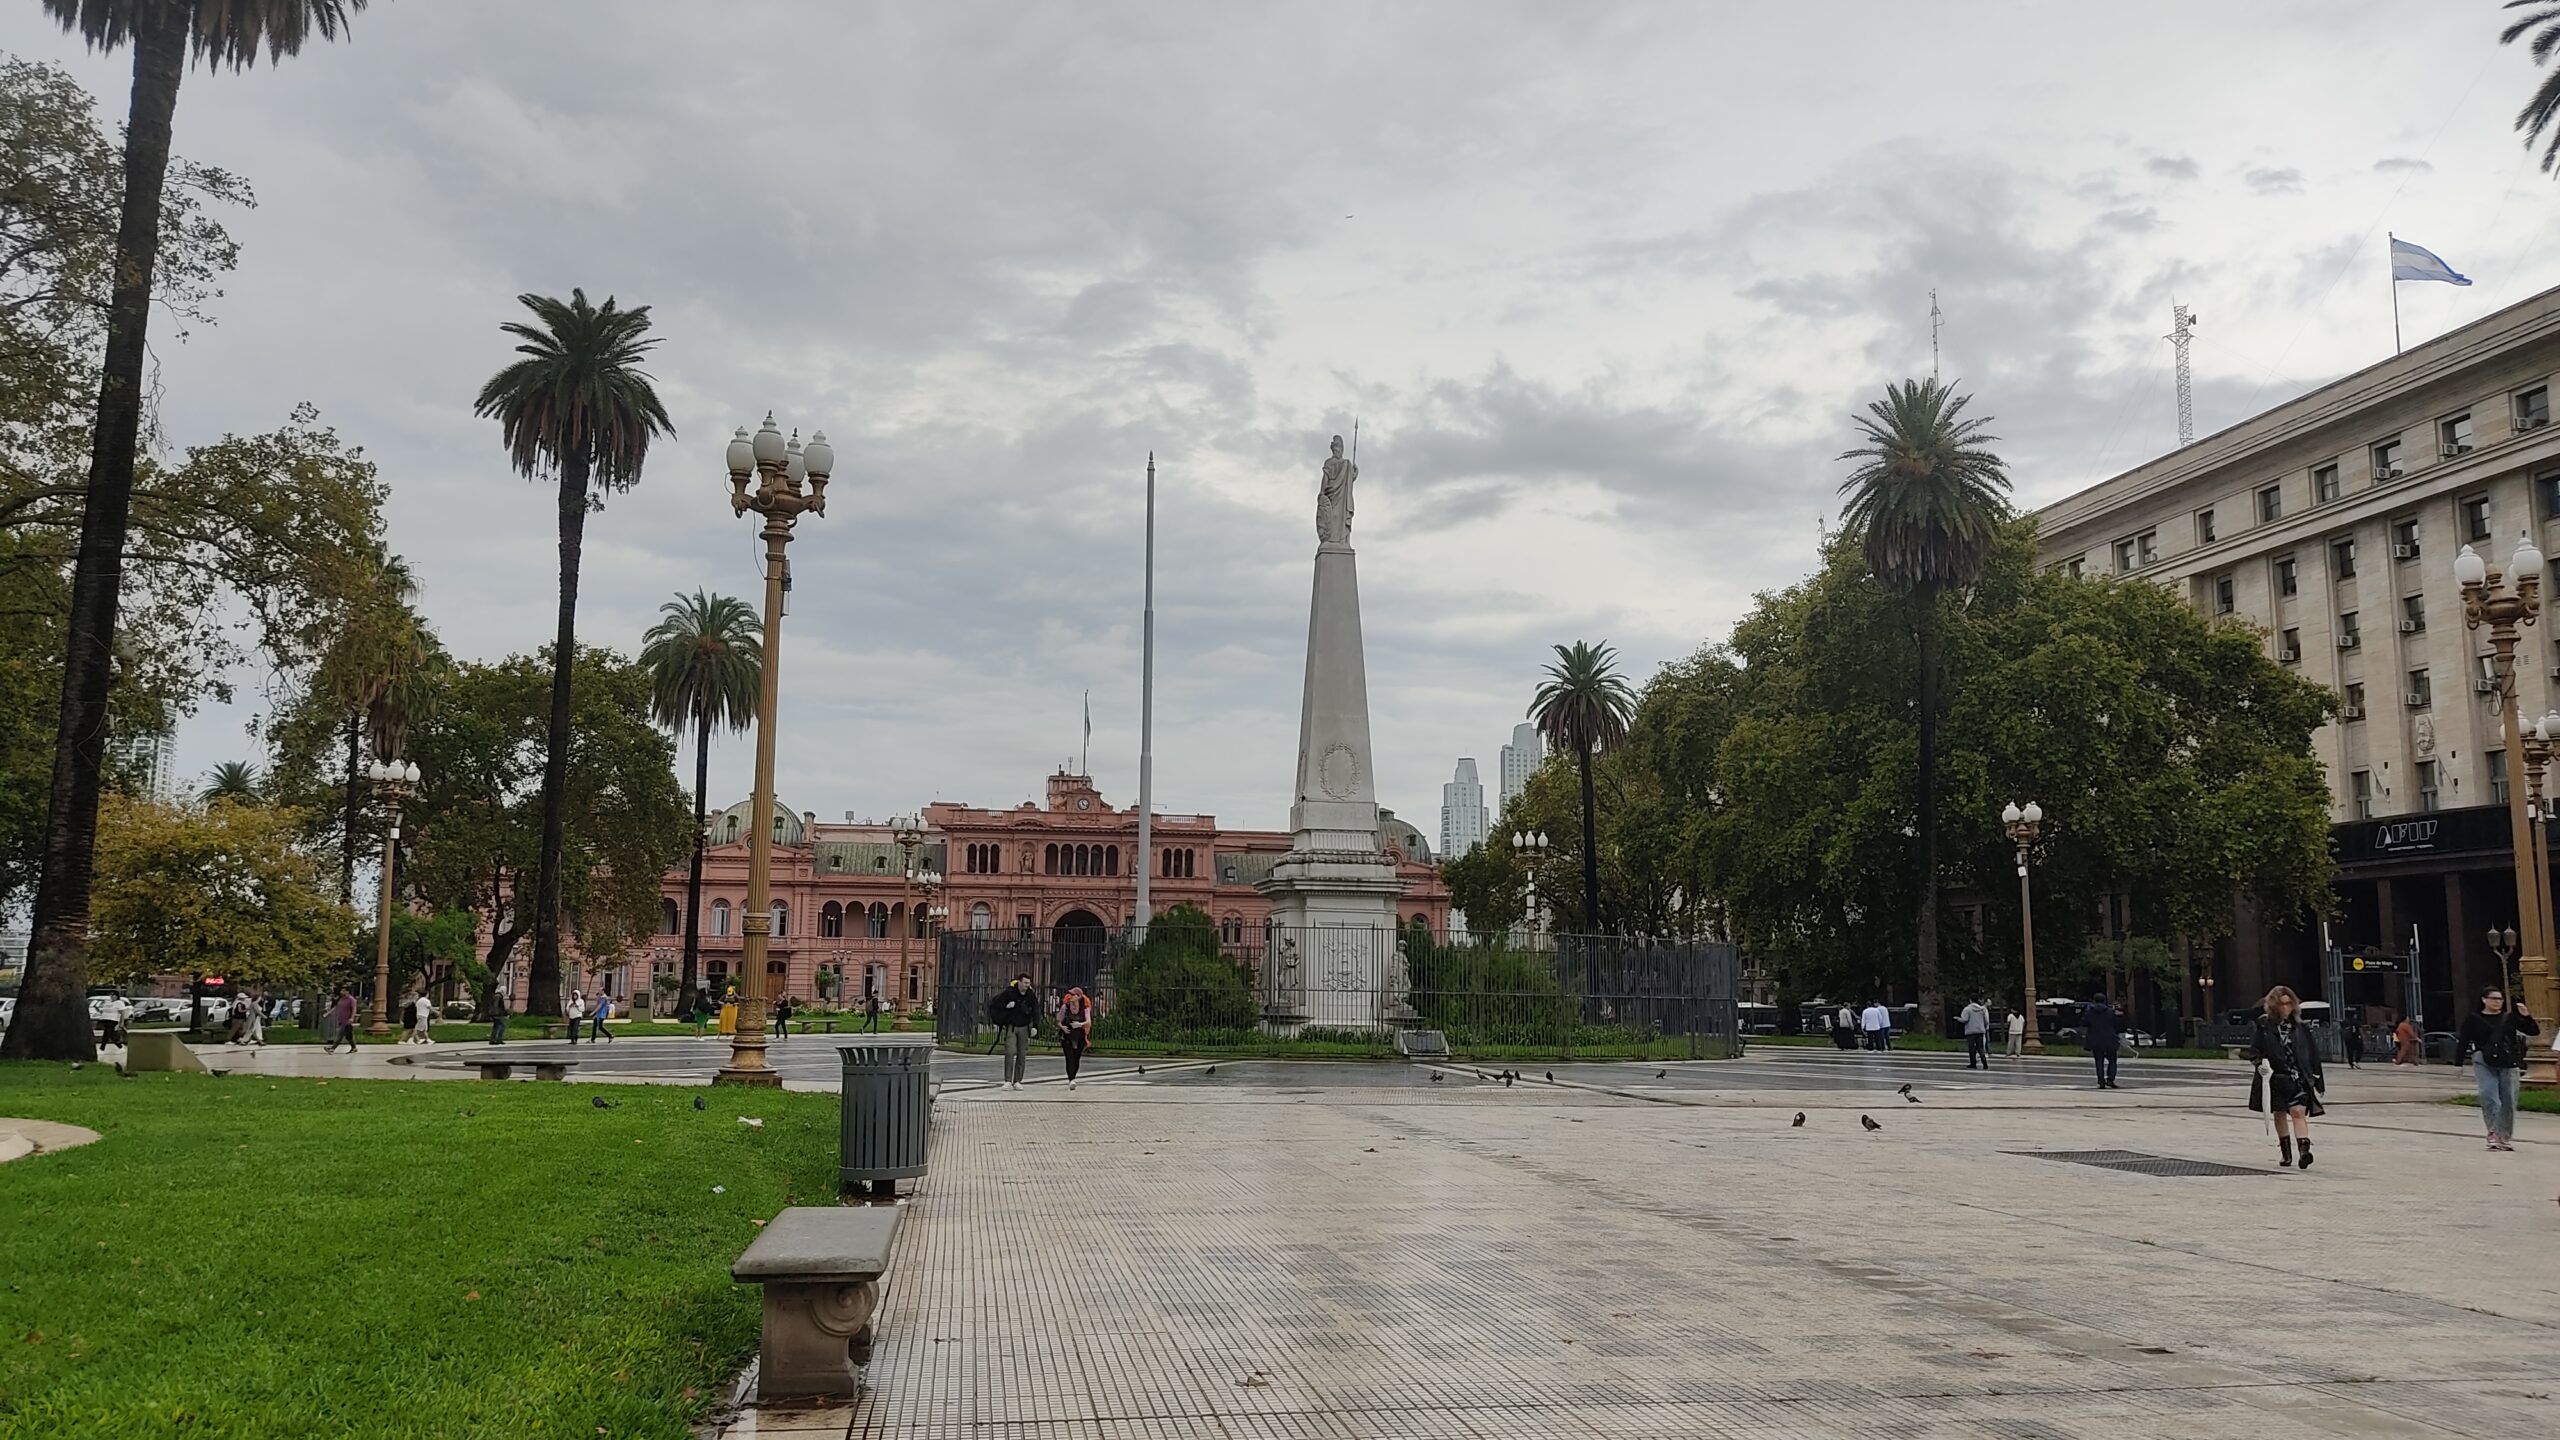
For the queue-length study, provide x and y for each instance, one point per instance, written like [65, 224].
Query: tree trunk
[1591, 922]
[542, 996]
[52, 1018]
[1933, 1005]
[693, 876]
[354, 813]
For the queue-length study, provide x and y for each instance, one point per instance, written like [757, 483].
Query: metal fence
[1351, 991]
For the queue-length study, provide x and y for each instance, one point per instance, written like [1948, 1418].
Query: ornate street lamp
[2025, 822]
[789, 481]
[909, 833]
[2505, 603]
[394, 780]
[1530, 847]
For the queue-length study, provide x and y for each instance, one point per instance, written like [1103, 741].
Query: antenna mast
[1937, 322]
[2182, 325]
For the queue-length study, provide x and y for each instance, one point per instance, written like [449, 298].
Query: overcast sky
[1603, 284]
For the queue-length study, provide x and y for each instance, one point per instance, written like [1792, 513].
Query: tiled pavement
[1296, 1260]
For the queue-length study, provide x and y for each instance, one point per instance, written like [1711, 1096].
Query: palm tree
[370, 673]
[1584, 707]
[1925, 501]
[578, 408]
[52, 1018]
[705, 661]
[232, 780]
[2539, 113]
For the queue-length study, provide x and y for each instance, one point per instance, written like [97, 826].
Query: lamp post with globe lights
[2505, 603]
[2024, 823]
[780, 480]
[394, 779]
[1529, 847]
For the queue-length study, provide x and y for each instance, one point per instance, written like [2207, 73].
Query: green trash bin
[887, 1107]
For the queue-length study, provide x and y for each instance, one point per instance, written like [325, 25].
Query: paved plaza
[1311, 1253]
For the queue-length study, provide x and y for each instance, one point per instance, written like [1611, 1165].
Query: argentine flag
[2417, 262]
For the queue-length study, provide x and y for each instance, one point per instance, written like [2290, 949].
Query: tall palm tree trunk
[544, 996]
[693, 876]
[354, 804]
[1933, 1020]
[52, 1019]
[1590, 879]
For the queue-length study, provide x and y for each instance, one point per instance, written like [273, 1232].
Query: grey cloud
[2172, 167]
[2269, 181]
[2402, 165]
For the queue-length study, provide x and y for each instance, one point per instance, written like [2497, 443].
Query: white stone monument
[1333, 958]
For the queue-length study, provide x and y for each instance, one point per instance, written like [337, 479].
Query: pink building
[844, 900]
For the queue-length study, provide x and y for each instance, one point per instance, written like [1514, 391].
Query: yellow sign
[2357, 963]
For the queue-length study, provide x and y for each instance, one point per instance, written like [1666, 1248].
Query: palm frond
[1584, 702]
[220, 32]
[2536, 121]
[1929, 493]
[705, 660]
[578, 392]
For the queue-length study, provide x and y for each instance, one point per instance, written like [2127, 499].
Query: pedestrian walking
[603, 1012]
[871, 1011]
[2287, 1086]
[341, 1027]
[424, 1008]
[118, 1018]
[2102, 1030]
[782, 1019]
[1075, 1029]
[255, 1035]
[1844, 1028]
[1877, 1022]
[2353, 1043]
[2404, 1042]
[408, 1022]
[1016, 1012]
[2017, 1032]
[575, 1014]
[497, 1015]
[2494, 1040]
[1976, 1018]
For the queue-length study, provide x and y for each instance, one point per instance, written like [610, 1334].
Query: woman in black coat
[2289, 1078]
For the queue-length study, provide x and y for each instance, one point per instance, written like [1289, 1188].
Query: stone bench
[506, 1069]
[820, 1266]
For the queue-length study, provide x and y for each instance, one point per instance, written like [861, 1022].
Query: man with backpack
[1015, 1011]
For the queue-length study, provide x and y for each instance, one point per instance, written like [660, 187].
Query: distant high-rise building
[1462, 819]
[1520, 759]
[147, 761]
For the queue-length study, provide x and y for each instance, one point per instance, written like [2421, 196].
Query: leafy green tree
[579, 409]
[235, 781]
[51, 1020]
[1582, 709]
[476, 824]
[222, 890]
[1486, 885]
[1177, 981]
[2172, 757]
[427, 950]
[705, 660]
[1925, 501]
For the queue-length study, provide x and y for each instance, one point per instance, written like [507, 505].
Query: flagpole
[2387, 238]
[1145, 861]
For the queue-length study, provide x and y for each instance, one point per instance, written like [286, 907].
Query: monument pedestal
[1334, 960]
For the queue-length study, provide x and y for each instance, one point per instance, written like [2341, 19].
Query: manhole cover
[2138, 1163]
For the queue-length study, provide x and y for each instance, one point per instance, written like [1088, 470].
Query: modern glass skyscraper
[1463, 821]
[1521, 758]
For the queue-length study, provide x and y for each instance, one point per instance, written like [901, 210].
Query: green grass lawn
[2540, 1102]
[245, 1257]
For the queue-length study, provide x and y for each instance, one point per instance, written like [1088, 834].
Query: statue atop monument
[1333, 498]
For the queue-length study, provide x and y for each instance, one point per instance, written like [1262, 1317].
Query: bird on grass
[599, 1102]
[701, 1104]
[1798, 1122]
[1868, 1122]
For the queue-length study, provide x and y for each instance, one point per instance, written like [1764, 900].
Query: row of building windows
[1080, 860]
[1179, 864]
[981, 859]
[2430, 776]
[2454, 438]
[831, 919]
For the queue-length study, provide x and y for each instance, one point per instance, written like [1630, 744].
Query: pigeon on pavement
[1435, 1077]
[1798, 1122]
[1551, 1077]
[1910, 1098]
[1212, 1070]
[1869, 1122]
[1661, 1074]
[1904, 1091]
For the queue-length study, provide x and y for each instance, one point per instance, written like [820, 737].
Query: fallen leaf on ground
[474, 1295]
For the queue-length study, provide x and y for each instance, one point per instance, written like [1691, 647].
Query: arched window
[831, 922]
[668, 920]
[915, 922]
[1049, 860]
[878, 921]
[719, 917]
[1084, 859]
[781, 918]
[1111, 861]
[982, 916]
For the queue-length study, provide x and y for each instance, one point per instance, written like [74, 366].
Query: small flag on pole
[2417, 262]
[1085, 764]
